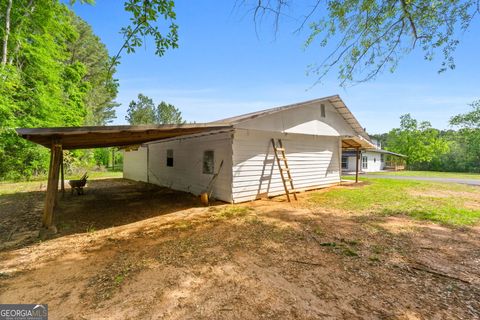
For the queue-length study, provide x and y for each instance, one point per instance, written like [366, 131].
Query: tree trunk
[28, 11]
[7, 33]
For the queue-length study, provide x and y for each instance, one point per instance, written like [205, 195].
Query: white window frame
[208, 169]
[364, 162]
[345, 162]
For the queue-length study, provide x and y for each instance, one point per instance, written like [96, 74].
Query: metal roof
[352, 153]
[109, 136]
[387, 152]
[335, 100]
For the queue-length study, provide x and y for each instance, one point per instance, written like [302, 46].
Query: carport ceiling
[110, 136]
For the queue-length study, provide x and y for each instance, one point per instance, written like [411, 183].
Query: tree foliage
[54, 72]
[439, 150]
[419, 141]
[144, 111]
[146, 17]
[141, 111]
[365, 37]
[168, 114]
[88, 50]
[469, 136]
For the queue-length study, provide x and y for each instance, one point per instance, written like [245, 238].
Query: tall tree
[6, 34]
[141, 111]
[43, 84]
[88, 49]
[469, 135]
[365, 37]
[167, 114]
[419, 141]
[144, 111]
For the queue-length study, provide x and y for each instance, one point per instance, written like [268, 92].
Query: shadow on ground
[267, 259]
[106, 203]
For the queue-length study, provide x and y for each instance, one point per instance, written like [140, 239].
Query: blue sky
[222, 68]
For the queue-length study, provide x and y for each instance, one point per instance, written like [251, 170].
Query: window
[208, 162]
[344, 162]
[169, 157]
[375, 160]
[364, 162]
[322, 110]
[382, 158]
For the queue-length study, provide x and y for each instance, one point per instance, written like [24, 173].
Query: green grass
[450, 204]
[229, 211]
[37, 184]
[432, 174]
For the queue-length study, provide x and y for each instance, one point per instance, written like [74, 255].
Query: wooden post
[356, 167]
[62, 172]
[113, 159]
[52, 186]
[148, 163]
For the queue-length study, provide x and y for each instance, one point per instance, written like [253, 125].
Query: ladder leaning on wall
[284, 169]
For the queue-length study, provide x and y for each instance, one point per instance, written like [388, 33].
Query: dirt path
[267, 259]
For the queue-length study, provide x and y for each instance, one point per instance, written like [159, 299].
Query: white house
[313, 134]
[373, 160]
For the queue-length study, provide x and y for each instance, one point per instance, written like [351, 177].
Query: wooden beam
[52, 186]
[356, 168]
[62, 172]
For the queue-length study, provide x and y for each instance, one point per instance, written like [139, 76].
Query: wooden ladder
[282, 157]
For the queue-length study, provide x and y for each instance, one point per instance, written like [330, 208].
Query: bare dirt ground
[129, 250]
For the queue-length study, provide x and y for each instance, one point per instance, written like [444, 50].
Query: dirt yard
[129, 250]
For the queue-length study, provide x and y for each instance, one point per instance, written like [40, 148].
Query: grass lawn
[9, 187]
[450, 204]
[433, 174]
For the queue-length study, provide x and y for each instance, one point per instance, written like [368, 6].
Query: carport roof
[109, 136]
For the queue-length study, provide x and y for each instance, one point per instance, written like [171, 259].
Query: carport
[355, 144]
[68, 138]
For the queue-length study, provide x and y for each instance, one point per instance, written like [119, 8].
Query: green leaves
[144, 111]
[419, 141]
[57, 75]
[144, 23]
[470, 119]
[364, 38]
[141, 111]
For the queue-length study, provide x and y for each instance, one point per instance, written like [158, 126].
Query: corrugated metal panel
[313, 160]
[335, 100]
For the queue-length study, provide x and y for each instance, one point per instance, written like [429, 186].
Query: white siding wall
[187, 171]
[135, 164]
[303, 120]
[314, 162]
[374, 161]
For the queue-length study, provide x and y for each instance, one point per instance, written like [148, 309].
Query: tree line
[54, 72]
[456, 149]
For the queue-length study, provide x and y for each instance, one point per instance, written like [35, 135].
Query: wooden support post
[356, 167]
[62, 172]
[52, 186]
[113, 158]
[148, 163]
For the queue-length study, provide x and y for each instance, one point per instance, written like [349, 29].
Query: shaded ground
[106, 203]
[472, 182]
[149, 258]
